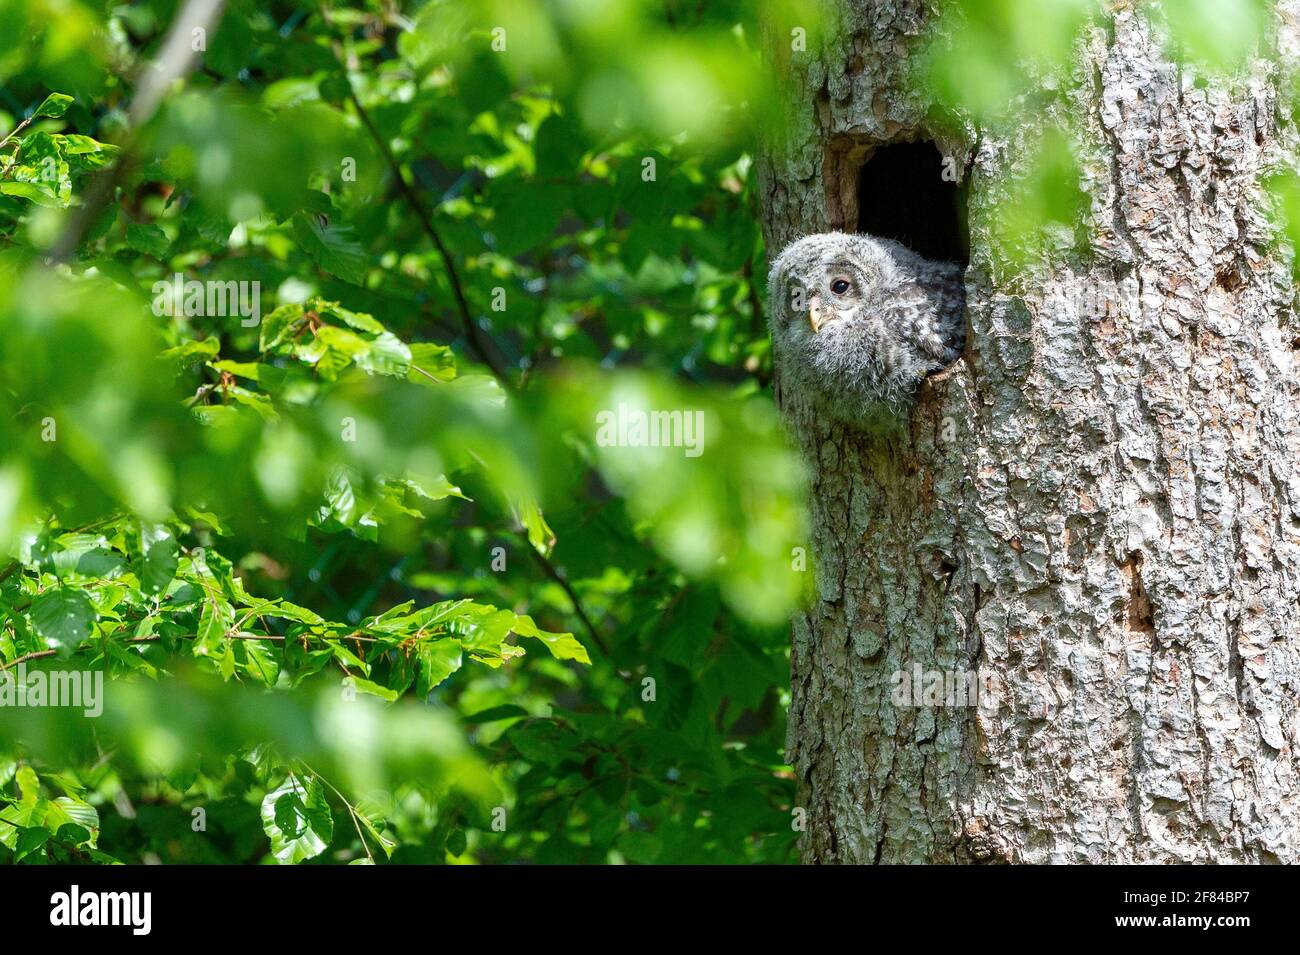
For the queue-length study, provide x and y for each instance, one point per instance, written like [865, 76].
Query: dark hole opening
[903, 195]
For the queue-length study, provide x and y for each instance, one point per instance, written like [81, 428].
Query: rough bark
[1097, 509]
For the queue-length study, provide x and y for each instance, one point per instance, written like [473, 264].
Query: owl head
[858, 322]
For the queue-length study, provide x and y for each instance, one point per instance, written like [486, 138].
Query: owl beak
[815, 316]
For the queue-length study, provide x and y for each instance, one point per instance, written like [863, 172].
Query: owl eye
[840, 286]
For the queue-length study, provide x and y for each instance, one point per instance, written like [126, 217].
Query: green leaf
[29, 841]
[340, 501]
[64, 813]
[148, 239]
[258, 402]
[40, 163]
[25, 190]
[563, 646]
[296, 818]
[387, 355]
[54, 106]
[433, 490]
[161, 559]
[333, 349]
[438, 660]
[334, 248]
[291, 611]
[540, 534]
[277, 326]
[15, 819]
[431, 363]
[358, 320]
[506, 711]
[92, 152]
[374, 828]
[215, 622]
[63, 617]
[262, 662]
[558, 147]
[79, 556]
[374, 689]
[29, 785]
[192, 351]
[483, 630]
[243, 369]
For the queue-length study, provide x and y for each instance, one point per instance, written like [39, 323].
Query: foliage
[359, 579]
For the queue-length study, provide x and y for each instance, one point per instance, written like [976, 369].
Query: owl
[857, 322]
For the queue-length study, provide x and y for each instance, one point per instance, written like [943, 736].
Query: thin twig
[175, 59]
[351, 811]
[16, 130]
[16, 143]
[40, 654]
[153, 638]
[553, 572]
[472, 331]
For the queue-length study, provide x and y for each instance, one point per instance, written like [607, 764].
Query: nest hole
[910, 192]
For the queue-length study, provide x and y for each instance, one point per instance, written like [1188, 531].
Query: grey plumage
[857, 322]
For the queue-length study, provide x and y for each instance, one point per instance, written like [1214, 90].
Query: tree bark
[1097, 510]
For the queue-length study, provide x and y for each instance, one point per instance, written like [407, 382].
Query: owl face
[857, 322]
[835, 287]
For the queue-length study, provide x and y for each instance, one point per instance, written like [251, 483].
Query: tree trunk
[1097, 510]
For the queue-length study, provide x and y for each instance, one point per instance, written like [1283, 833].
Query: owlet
[858, 322]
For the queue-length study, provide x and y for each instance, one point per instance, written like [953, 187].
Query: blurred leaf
[1218, 35]
[334, 248]
[54, 105]
[63, 617]
[148, 239]
[1042, 196]
[986, 55]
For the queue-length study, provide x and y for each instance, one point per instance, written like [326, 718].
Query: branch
[352, 810]
[555, 575]
[16, 130]
[472, 332]
[175, 59]
[153, 638]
